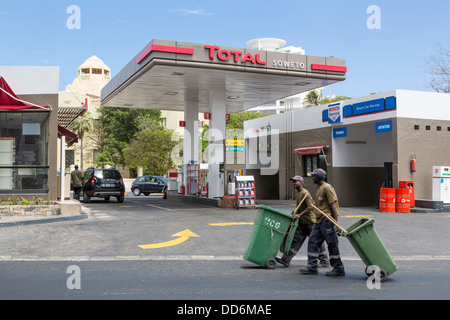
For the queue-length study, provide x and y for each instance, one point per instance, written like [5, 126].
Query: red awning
[71, 137]
[9, 101]
[310, 150]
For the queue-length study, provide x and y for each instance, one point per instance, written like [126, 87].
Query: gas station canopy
[167, 74]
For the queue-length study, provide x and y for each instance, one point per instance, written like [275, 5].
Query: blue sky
[392, 57]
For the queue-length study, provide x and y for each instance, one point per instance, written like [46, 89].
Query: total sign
[225, 55]
[335, 113]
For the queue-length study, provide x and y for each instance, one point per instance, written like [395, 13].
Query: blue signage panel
[368, 106]
[385, 126]
[339, 132]
[325, 115]
[347, 111]
[391, 103]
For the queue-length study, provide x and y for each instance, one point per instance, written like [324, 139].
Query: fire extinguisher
[413, 163]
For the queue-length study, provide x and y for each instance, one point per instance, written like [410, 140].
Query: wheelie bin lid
[261, 206]
[356, 227]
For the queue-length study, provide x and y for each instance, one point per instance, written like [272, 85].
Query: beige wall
[431, 148]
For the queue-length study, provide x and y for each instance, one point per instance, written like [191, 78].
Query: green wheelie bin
[272, 231]
[367, 243]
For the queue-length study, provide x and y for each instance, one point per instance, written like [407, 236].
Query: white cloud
[195, 12]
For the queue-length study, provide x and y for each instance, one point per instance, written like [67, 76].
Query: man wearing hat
[306, 221]
[323, 228]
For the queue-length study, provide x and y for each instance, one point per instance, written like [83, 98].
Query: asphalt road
[207, 265]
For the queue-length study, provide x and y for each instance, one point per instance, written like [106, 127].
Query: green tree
[234, 127]
[328, 100]
[151, 149]
[119, 127]
[312, 99]
[81, 125]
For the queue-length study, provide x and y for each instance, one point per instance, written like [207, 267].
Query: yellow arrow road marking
[230, 224]
[183, 236]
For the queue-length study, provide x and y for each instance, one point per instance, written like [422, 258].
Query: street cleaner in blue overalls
[306, 217]
[323, 229]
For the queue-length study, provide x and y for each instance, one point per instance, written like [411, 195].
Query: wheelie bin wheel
[383, 274]
[271, 263]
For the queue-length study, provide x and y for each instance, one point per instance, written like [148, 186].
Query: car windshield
[107, 174]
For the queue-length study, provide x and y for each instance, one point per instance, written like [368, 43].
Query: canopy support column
[216, 179]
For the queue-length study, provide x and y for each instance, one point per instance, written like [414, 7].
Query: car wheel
[107, 198]
[86, 197]
[121, 198]
[137, 192]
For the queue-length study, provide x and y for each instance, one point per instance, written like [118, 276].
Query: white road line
[192, 258]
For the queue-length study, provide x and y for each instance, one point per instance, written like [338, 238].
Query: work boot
[284, 262]
[306, 270]
[334, 273]
[324, 264]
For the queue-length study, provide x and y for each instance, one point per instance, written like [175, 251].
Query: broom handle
[295, 211]
[331, 219]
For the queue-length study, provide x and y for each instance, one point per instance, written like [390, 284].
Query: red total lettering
[248, 57]
[212, 49]
[258, 59]
[221, 56]
[236, 55]
[225, 55]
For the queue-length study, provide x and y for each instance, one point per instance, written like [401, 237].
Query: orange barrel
[402, 200]
[387, 200]
[410, 186]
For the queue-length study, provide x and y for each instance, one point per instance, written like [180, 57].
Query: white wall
[423, 105]
[371, 150]
[31, 80]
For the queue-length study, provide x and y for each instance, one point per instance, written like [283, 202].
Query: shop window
[70, 158]
[310, 163]
[24, 151]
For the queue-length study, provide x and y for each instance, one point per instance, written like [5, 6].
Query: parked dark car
[102, 183]
[149, 184]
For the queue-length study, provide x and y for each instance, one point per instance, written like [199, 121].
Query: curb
[42, 221]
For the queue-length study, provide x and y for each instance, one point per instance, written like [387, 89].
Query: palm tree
[82, 125]
[312, 99]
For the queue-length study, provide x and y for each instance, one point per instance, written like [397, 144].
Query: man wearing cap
[323, 228]
[306, 221]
